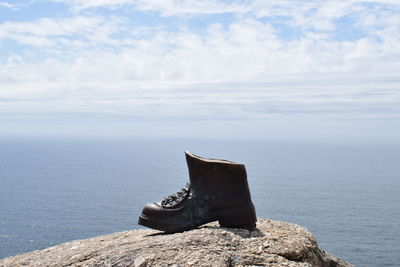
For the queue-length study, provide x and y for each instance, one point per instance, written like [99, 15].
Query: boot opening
[211, 160]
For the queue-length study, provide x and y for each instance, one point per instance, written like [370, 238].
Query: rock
[139, 262]
[272, 244]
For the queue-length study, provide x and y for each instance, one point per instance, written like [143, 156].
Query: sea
[54, 190]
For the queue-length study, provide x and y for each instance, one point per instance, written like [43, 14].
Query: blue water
[57, 190]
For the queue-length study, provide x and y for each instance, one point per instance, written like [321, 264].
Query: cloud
[322, 15]
[164, 7]
[246, 51]
[78, 31]
[78, 5]
[188, 7]
[8, 5]
[323, 100]
[92, 63]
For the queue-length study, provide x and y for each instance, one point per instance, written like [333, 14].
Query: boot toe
[151, 210]
[167, 220]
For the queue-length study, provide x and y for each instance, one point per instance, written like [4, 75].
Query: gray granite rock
[272, 244]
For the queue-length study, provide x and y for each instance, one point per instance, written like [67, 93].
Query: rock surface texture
[272, 244]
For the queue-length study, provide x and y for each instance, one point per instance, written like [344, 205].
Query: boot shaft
[220, 182]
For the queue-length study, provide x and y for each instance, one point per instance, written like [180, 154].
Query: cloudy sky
[214, 68]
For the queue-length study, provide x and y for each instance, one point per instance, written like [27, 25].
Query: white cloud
[178, 7]
[219, 56]
[8, 5]
[94, 63]
[78, 5]
[45, 32]
[164, 7]
[322, 15]
[159, 76]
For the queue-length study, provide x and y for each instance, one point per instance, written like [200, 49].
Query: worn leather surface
[217, 188]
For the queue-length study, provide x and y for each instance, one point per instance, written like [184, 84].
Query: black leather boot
[218, 191]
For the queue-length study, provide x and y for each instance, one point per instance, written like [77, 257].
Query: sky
[253, 69]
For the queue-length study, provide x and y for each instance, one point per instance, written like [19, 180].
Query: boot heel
[241, 217]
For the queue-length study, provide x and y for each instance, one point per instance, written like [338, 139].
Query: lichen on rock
[272, 244]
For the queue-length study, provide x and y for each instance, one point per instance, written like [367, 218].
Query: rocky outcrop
[273, 243]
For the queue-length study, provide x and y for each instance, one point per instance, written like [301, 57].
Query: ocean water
[57, 190]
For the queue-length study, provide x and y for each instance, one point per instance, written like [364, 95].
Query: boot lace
[170, 200]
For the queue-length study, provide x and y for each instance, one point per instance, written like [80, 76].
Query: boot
[218, 191]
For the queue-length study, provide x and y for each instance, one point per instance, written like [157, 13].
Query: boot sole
[165, 227]
[237, 217]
